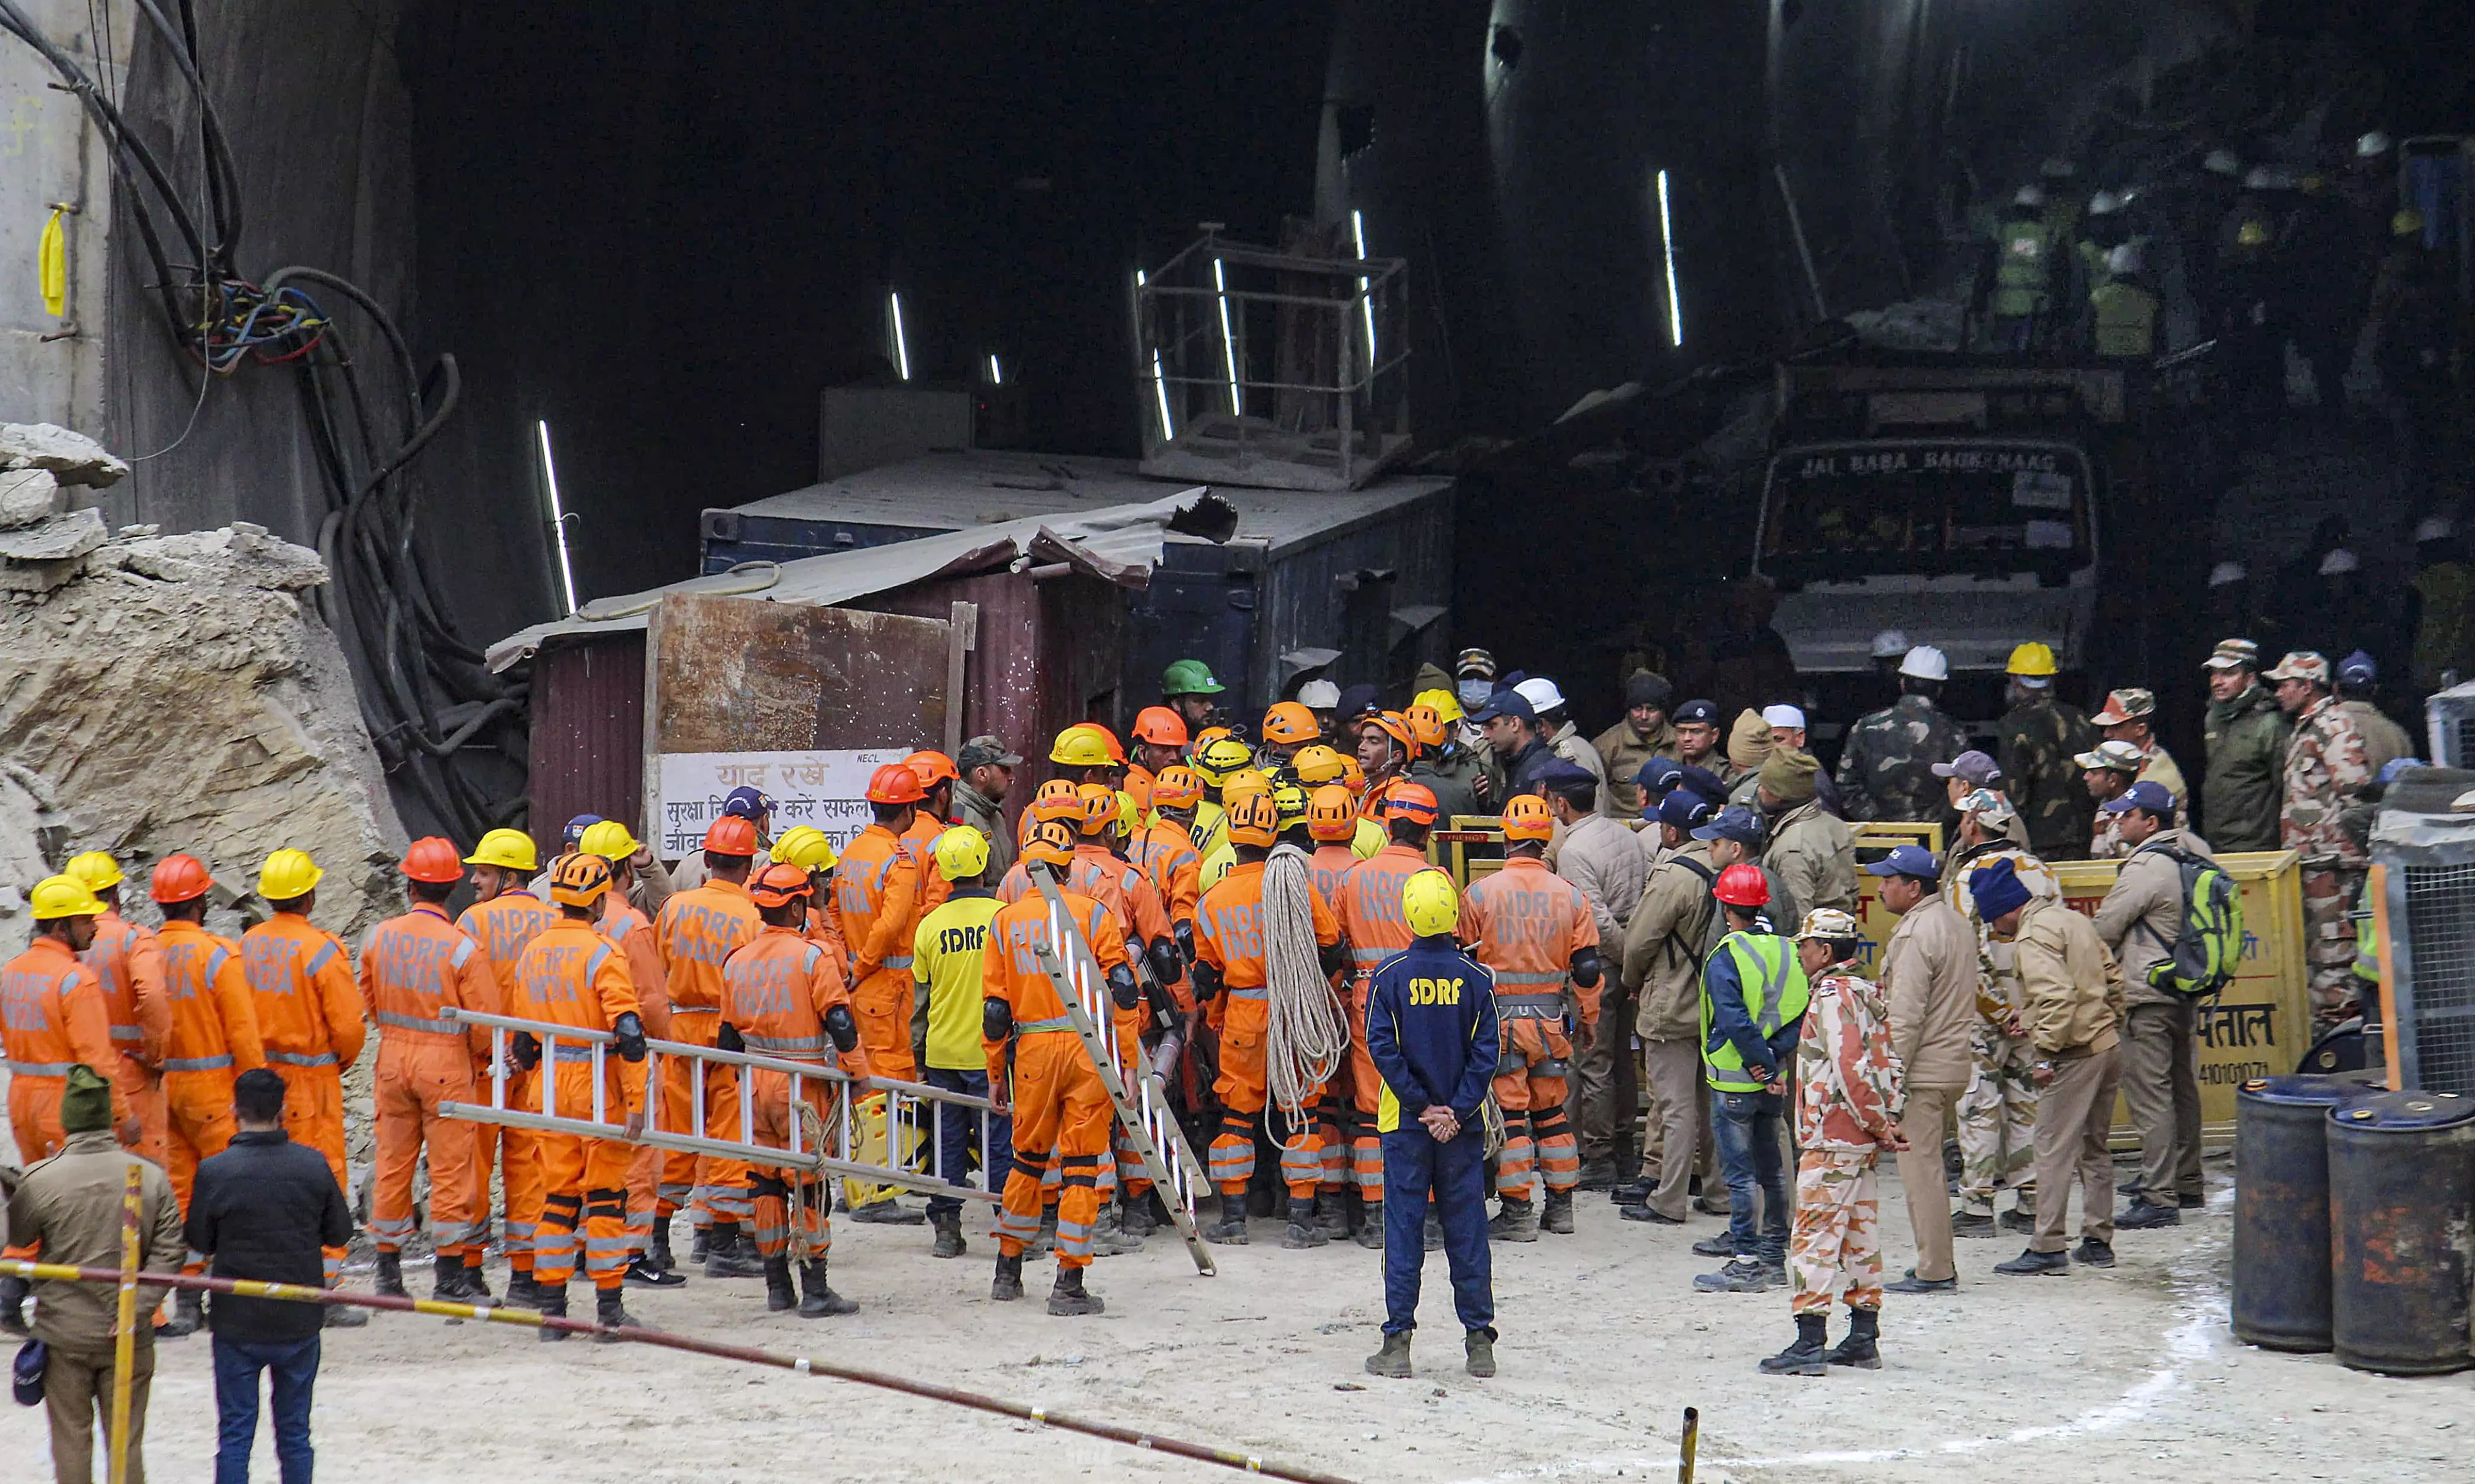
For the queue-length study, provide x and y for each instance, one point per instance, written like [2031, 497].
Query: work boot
[390, 1279]
[1070, 1297]
[2190, 1203]
[819, 1301]
[1643, 1212]
[700, 1243]
[1859, 1349]
[1808, 1356]
[1632, 1192]
[1331, 1213]
[723, 1256]
[553, 1304]
[888, 1212]
[1714, 1203]
[2142, 1215]
[1110, 1239]
[779, 1295]
[1434, 1231]
[477, 1288]
[642, 1273]
[1394, 1359]
[1303, 1229]
[1559, 1215]
[657, 1253]
[1721, 1246]
[1745, 1275]
[1045, 1240]
[523, 1293]
[344, 1316]
[188, 1316]
[1479, 1345]
[1597, 1174]
[447, 1279]
[949, 1235]
[2094, 1253]
[2033, 1263]
[1517, 1222]
[610, 1312]
[1230, 1230]
[1969, 1224]
[1007, 1285]
[1141, 1218]
[1370, 1229]
[2020, 1219]
[1913, 1284]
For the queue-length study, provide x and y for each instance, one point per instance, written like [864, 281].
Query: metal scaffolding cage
[1280, 370]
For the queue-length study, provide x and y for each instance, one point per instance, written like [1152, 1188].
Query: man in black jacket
[262, 1209]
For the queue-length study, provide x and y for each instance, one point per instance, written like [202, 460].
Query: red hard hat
[734, 836]
[894, 784]
[1741, 884]
[430, 859]
[179, 879]
[1159, 726]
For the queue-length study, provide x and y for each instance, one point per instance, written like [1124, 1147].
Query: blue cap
[1684, 809]
[1655, 777]
[577, 827]
[1702, 781]
[1908, 861]
[1735, 822]
[1696, 710]
[747, 803]
[1506, 702]
[2147, 793]
[2358, 669]
[1998, 889]
[2391, 769]
[1562, 774]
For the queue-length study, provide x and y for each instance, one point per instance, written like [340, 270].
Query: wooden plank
[959, 644]
[734, 674]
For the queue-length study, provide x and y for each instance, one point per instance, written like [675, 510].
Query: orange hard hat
[894, 784]
[1392, 726]
[1427, 727]
[1058, 799]
[734, 836]
[431, 858]
[1098, 806]
[1138, 788]
[1177, 788]
[778, 884]
[1415, 802]
[1209, 735]
[932, 767]
[180, 879]
[1351, 773]
[1254, 819]
[1331, 813]
[1159, 726]
[1050, 843]
[1288, 722]
[1741, 884]
[580, 880]
[1525, 817]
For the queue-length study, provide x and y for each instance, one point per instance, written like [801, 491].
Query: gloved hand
[729, 1038]
[525, 1049]
[843, 1030]
[631, 1032]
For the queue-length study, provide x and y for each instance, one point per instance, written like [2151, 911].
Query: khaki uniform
[2384, 742]
[1934, 980]
[1624, 748]
[1663, 945]
[1815, 856]
[1567, 743]
[1997, 1112]
[2139, 920]
[2074, 1001]
[1600, 857]
[2326, 765]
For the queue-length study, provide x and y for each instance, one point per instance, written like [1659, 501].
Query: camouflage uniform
[2038, 740]
[2325, 766]
[1886, 769]
[1847, 1094]
[1997, 1114]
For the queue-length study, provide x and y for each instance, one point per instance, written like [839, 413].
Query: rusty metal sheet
[734, 674]
[588, 733]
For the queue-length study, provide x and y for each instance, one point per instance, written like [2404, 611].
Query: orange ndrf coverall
[633, 932]
[777, 991]
[213, 1039]
[878, 885]
[1370, 918]
[309, 1019]
[1229, 936]
[1136, 903]
[1525, 922]
[697, 932]
[130, 966]
[572, 976]
[413, 967]
[1060, 1105]
[504, 926]
[52, 1018]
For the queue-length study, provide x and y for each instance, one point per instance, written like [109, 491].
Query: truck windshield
[1970, 506]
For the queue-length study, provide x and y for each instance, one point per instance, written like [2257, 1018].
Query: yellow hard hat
[807, 847]
[1291, 801]
[62, 896]
[1430, 903]
[1447, 705]
[608, 839]
[1245, 783]
[2033, 660]
[2252, 233]
[509, 850]
[961, 852]
[1129, 814]
[1318, 765]
[96, 869]
[288, 874]
[1080, 747]
[1219, 758]
[2408, 222]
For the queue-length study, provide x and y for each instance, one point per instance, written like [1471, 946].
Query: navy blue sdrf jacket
[1431, 1031]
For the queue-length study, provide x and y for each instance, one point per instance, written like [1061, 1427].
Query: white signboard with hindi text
[826, 790]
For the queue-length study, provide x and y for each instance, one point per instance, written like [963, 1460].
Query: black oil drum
[2402, 1231]
[2281, 1298]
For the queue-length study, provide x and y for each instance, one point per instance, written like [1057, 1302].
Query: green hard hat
[1190, 677]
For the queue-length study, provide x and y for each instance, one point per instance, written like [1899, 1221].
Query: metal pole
[1803, 249]
[124, 1344]
[804, 1365]
[1687, 1446]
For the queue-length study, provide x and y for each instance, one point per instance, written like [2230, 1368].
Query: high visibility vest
[1776, 993]
[2024, 278]
[2126, 320]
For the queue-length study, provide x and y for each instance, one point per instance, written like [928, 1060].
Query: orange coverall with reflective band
[52, 1018]
[1372, 920]
[504, 926]
[412, 968]
[1229, 936]
[1525, 922]
[633, 932]
[921, 840]
[1131, 897]
[697, 933]
[572, 976]
[309, 1020]
[1061, 1107]
[1167, 853]
[876, 883]
[775, 992]
[213, 1039]
[129, 966]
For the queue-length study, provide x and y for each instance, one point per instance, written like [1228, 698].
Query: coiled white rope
[1306, 1038]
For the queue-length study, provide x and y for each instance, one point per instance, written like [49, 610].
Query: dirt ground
[2123, 1374]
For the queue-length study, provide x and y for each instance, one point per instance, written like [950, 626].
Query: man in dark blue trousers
[1430, 1031]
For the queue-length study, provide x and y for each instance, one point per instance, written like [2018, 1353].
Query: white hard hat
[1924, 662]
[2225, 572]
[1541, 693]
[2058, 168]
[2104, 202]
[1319, 696]
[1890, 645]
[2126, 258]
[1783, 715]
[2029, 195]
[2337, 562]
[2225, 163]
[2371, 145]
[2435, 527]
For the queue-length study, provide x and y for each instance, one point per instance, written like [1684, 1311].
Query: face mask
[1474, 693]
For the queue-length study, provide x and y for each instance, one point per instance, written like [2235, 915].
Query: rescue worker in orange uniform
[1288, 726]
[213, 1039]
[783, 997]
[1057, 800]
[505, 917]
[52, 1018]
[934, 818]
[414, 967]
[1088, 752]
[1371, 919]
[130, 967]
[649, 1263]
[1385, 749]
[1109, 878]
[1536, 932]
[812, 850]
[573, 976]
[1230, 954]
[697, 933]
[1160, 744]
[1164, 849]
[1320, 767]
[309, 1019]
[1039, 1072]
[877, 882]
[1333, 828]
[1332, 822]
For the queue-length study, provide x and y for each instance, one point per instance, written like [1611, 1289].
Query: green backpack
[2205, 951]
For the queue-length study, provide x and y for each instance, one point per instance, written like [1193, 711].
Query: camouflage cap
[2303, 665]
[1991, 809]
[2129, 704]
[986, 752]
[1830, 924]
[2233, 654]
[2122, 756]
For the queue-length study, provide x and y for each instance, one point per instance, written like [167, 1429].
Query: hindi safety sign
[826, 790]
